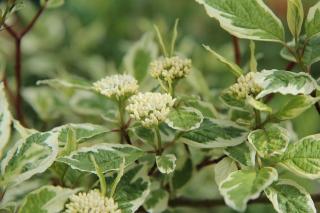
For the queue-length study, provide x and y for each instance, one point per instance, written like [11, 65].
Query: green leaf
[295, 107]
[28, 157]
[74, 83]
[214, 133]
[206, 108]
[139, 56]
[223, 169]
[47, 199]
[242, 153]
[312, 24]
[146, 135]
[270, 141]
[157, 201]
[311, 50]
[234, 68]
[5, 120]
[184, 119]
[52, 3]
[233, 102]
[246, 19]
[258, 105]
[182, 176]
[287, 196]
[132, 189]
[303, 157]
[166, 163]
[284, 82]
[244, 185]
[295, 15]
[83, 132]
[108, 157]
[71, 143]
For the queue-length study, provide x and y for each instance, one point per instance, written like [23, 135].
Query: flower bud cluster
[92, 201]
[170, 69]
[245, 86]
[150, 108]
[116, 86]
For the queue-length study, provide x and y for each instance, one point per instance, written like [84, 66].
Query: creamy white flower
[116, 86]
[150, 108]
[169, 69]
[91, 202]
[245, 86]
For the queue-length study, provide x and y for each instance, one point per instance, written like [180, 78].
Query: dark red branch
[236, 49]
[207, 162]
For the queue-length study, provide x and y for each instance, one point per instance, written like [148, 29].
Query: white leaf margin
[5, 125]
[274, 198]
[172, 158]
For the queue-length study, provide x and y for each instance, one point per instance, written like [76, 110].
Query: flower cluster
[150, 108]
[117, 86]
[92, 201]
[245, 86]
[170, 69]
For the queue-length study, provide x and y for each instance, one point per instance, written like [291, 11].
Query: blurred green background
[91, 39]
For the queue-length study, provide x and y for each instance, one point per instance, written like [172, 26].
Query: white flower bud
[150, 108]
[245, 86]
[92, 201]
[116, 86]
[170, 69]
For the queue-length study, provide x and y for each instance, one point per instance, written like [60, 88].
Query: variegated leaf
[284, 82]
[287, 196]
[157, 201]
[28, 157]
[166, 163]
[108, 157]
[184, 119]
[303, 157]
[214, 133]
[243, 185]
[223, 169]
[5, 119]
[312, 23]
[242, 153]
[246, 19]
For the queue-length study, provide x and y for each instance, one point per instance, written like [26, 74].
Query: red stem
[236, 48]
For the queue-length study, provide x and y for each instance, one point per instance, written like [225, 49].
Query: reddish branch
[236, 48]
[207, 162]
[18, 71]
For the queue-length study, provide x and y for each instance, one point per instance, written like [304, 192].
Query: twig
[317, 105]
[236, 49]
[207, 162]
[18, 59]
[208, 203]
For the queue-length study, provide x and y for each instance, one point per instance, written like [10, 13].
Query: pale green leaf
[312, 24]
[83, 132]
[311, 50]
[23, 131]
[74, 83]
[284, 82]
[296, 106]
[146, 135]
[139, 56]
[108, 157]
[52, 3]
[246, 19]
[28, 157]
[5, 119]
[258, 105]
[223, 169]
[270, 141]
[184, 119]
[47, 199]
[303, 157]
[214, 133]
[133, 189]
[244, 185]
[234, 68]
[295, 15]
[166, 163]
[233, 102]
[242, 153]
[207, 109]
[157, 201]
[287, 196]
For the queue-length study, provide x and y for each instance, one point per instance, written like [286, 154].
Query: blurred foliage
[87, 40]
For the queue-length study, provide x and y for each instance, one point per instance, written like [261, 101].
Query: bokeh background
[87, 40]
